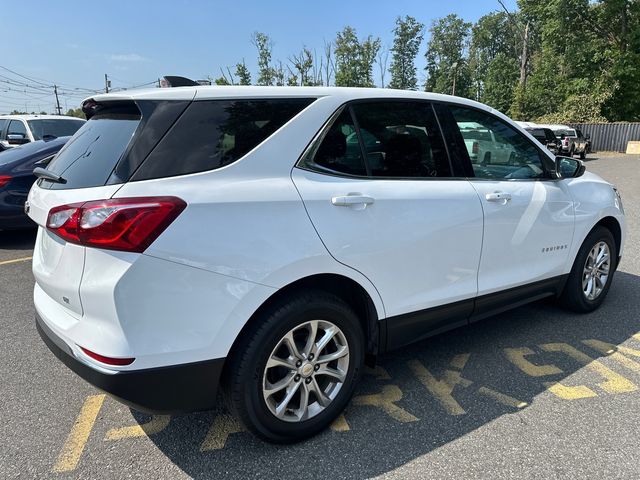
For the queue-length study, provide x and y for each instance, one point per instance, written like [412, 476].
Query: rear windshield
[55, 128]
[214, 133]
[88, 159]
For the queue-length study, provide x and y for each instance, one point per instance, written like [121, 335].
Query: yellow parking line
[153, 426]
[15, 260]
[74, 445]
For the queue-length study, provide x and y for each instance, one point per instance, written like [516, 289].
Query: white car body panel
[526, 238]
[398, 241]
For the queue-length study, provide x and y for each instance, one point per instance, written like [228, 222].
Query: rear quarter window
[213, 133]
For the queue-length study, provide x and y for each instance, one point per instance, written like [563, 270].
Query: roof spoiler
[174, 81]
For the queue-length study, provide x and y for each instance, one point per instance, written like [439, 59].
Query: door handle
[500, 197]
[352, 200]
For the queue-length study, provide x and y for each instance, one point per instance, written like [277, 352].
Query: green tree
[264, 45]
[243, 74]
[447, 67]
[73, 112]
[494, 59]
[221, 81]
[408, 35]
[302, 63]
[354, 59]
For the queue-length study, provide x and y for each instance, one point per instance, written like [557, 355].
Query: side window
[339, 150]
[496, 150]
[402, 139]
[3, 127]
[211, 134]
[16, 127]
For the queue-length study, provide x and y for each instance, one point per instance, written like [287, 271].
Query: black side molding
[411, 327]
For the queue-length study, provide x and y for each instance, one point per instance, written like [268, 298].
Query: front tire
[297, 367]
[592, 272]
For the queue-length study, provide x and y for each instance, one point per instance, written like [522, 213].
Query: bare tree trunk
[383, 59]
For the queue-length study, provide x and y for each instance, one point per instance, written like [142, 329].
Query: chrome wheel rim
[596, 271]
[305, 371]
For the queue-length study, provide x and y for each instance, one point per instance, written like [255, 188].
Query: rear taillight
[126, 224]
[476, 148]
[4, 179]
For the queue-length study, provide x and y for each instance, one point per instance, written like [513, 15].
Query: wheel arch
[611, 224]
[349, 290]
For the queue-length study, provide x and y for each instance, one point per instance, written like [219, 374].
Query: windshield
[54, 127]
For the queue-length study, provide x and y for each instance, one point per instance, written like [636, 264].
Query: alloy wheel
[305, 371]
[596, 271]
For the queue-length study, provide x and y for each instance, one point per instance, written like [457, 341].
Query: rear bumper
[173, 389]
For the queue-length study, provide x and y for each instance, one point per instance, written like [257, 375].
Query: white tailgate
[57, 264]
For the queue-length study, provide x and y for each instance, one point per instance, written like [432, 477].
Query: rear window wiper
[48, 175]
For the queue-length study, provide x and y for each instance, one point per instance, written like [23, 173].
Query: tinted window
[539, 135]
[339, 150]
[16, 127]
[551, 138]
[55, 128]
[3, 127]
[88, 159]
[509, 155]
[407, 140]
[212, 134]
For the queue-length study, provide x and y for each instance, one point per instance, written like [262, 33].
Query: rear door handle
[500, 197]
[351, 200]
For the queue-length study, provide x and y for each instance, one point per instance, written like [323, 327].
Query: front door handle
[499, 197]
[352, 200]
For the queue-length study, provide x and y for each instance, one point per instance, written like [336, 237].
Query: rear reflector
[108, 360]
[125, 224]
[4, 179]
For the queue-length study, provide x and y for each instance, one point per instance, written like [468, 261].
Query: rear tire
[583, 154]
[265, 360]
[592, 273]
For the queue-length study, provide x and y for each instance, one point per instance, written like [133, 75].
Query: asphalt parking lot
[533, 393]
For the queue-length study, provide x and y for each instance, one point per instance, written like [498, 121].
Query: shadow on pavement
[379, 438]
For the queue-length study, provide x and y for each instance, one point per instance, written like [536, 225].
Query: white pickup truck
[572, 140]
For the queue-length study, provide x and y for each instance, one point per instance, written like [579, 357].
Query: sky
[75, 43]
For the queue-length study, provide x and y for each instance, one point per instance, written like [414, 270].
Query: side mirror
[569, 167]
[17, 139]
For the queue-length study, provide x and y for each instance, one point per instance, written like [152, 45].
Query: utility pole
[55, 90]
[107, 83]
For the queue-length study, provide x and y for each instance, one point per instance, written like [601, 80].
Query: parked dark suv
[546, 137]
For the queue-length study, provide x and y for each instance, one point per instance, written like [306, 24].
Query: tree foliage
[264, 45]
[446, 56]
[354, 59]
[408, 34]
[73, 112]
[557, 60]
[243, 74]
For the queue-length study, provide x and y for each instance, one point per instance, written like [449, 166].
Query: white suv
[20, 129]
[274, 239]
